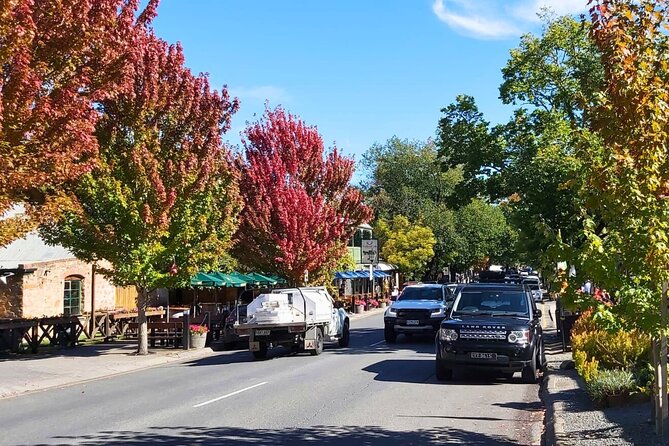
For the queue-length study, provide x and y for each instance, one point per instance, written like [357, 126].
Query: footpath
[572, 419]
[60, 367]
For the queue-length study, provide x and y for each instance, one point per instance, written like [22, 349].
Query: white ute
[299, 318]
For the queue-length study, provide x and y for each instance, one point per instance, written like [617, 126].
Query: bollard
[186, 333]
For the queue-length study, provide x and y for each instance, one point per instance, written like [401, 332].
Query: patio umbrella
[231, 280]
[261, 279]
[206, 280]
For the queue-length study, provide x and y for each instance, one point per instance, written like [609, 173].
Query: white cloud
[498, 19]
[261, 93]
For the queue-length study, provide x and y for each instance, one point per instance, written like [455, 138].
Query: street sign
[370, 252]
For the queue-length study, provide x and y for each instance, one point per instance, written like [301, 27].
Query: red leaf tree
[59, 59]
[299, 206]
[162, 202]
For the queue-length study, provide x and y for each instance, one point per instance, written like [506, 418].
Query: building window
[72, 296]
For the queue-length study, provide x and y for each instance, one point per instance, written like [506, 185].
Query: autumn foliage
[299, 207]
[164, 190]
[59, 60]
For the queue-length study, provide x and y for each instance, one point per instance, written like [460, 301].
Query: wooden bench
[167, 333]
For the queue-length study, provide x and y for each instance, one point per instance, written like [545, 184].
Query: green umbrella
[261, 279]
[230, 280]
[279, 280]
[206, 280]
[246, 278]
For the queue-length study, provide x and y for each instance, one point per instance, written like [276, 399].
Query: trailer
[302, 319]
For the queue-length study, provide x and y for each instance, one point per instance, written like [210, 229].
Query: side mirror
[537, 313]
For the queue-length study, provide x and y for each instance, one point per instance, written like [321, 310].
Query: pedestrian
[395, 293]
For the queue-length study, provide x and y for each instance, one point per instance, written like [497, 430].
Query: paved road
[369, 393]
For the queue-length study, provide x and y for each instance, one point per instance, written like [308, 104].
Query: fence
[66, 330]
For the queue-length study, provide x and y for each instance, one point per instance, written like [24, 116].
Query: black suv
[419, 309]
[492, 326]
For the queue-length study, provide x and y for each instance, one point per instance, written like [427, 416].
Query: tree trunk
[142, 332]
[663, 359]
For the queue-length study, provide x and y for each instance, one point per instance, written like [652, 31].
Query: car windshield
[421, 293]
[494, 302]
[534, 286]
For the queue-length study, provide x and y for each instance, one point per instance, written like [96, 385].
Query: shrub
[588, 369]
[620, 350]
[584, 323]
[611, 383]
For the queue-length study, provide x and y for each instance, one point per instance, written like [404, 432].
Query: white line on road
[377, 343]
[230, 394]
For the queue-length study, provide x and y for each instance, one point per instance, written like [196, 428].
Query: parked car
[534, 284]
[492, 326]
[230, 338]
[419, 309]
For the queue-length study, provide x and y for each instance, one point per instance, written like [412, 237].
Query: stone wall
[43, 289]
[11, 297]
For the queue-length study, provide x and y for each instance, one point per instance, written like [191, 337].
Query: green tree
[466, 141]
[409, 246]
[627, 181]
[486, 236]
[529, 164]
[403, 177]
[163, 200]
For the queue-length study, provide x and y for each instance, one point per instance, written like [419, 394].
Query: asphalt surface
[369, 393]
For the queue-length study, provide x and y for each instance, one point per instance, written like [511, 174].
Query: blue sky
[362, 71]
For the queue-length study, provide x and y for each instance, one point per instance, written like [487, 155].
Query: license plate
[413, 322]
[262, 332]
[492, 356]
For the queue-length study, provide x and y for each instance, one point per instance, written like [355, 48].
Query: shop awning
[360, 275]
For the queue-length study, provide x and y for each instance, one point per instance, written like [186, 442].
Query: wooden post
[93, 327]
[656, 387]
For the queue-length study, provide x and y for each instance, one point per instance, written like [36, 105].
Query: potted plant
[383, 302]
[198, 335]
[359, 306]
[373, 303]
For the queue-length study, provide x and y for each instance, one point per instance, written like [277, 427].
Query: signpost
[370, 252]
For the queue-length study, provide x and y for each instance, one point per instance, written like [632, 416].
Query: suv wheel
[389, 334]
[541, 359]
[529, 372]
[443, 374]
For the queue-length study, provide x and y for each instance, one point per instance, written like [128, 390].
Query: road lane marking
[377, 343]
[229, 395]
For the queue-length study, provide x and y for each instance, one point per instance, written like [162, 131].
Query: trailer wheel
[345, 335]
[262, 353]
[319, 342]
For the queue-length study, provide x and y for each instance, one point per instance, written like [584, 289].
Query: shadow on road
[422, 371]
[321, 435]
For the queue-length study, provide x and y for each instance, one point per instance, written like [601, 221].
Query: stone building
[37, 280]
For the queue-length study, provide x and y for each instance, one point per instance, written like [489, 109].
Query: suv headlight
[390, 311]
[437, 312]
[448, 334]
[519, 337]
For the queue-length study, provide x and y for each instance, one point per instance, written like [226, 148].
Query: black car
[493, 326]
[419, 309]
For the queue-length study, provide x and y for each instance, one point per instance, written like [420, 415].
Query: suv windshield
[533, 286]
[494, 302]
[421, 293]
